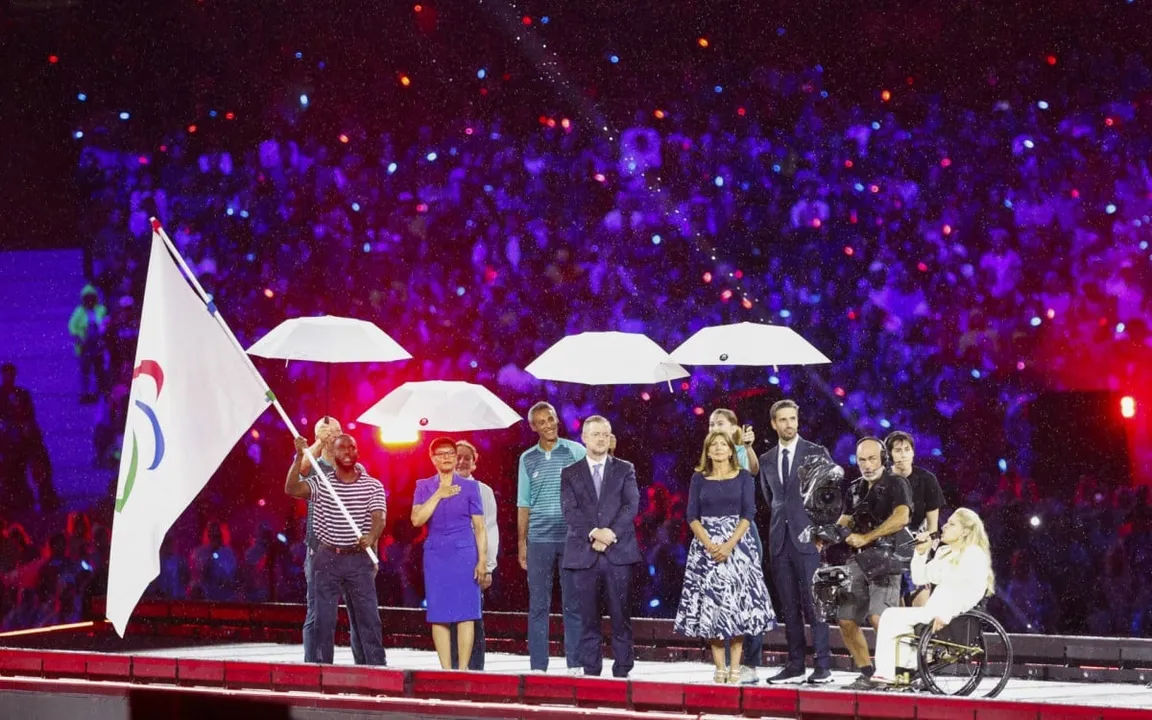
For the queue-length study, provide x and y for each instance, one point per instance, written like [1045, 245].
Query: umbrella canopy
[606, 358]
[748, 344]
[329, 339]
[443, 405]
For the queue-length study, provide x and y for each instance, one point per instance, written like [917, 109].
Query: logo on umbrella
[152, 369]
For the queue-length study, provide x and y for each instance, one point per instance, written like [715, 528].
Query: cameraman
[878, 507]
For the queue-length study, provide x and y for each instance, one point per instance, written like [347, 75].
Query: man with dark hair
[542, 532]
[879, 505]
[927, 499]
[780, 517]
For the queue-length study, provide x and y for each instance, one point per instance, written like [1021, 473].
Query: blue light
[1143, 244]
[392, 168]
[852, 459]
[212, 113]
[124, 116]
[85, 566]
[823, 93]
[215, 556]
[320, 64]
[631, 167]
[243, 213]
[858, 187]
[473, 364]
[651, 570]
[1035, 321]
[303, 100]
[282, 537]
[230, 211]
[780, 32]
[355, 207]
[431, 157]
[975, 373]
[656, 239]
[1002, 464]
[654, 603]
[78, 134]
[937, 452]
[718, 89]
[613, 59]
[299, 56]
[718, 182]
[775, 168]
[875, 125]
[1008, 203]
[367, 247]
[1029, 144]
[545, 20]
[1110, 208]
[81, 97]
[785, 313]
[481, 73]
[1120, 328]
[487, 188]
[424, 603]
[250, 257]
[884, 423]
[773, 380]
[1043, 104]
[460, 291]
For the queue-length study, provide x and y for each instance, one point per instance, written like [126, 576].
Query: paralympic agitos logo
[152, 369]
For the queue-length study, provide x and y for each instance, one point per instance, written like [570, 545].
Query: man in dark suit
[781, 518]
[600, 499]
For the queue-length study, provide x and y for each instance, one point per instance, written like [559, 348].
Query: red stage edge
[49, 684]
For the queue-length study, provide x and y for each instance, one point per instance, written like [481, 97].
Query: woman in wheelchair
[962, 574]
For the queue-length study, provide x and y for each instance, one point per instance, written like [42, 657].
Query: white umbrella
[748, 344]
[328, 339]
[444, 405]
[606, 358]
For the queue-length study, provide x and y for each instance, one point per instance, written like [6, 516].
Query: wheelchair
[970, 656]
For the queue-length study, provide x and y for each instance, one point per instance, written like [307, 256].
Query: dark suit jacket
[779, 506]
[616, 510]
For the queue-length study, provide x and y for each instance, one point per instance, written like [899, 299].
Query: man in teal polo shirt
[542, 530]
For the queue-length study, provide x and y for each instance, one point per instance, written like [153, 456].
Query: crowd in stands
[953, 261]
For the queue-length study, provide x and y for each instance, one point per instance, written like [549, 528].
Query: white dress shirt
[791, 448]
[488, 502]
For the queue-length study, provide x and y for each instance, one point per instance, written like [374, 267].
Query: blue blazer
[616, 510]
[779, 506]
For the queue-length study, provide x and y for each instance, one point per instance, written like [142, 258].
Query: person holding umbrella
[455, 552]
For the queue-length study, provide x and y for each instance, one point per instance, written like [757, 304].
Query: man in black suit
[781, 518]
[600, 499]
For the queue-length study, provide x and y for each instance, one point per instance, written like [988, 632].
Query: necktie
[785, 467]
[597, 478]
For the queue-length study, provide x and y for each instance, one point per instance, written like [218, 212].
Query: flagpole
[159, 230]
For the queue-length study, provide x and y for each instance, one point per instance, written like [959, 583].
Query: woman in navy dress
[455, 551]
[724, 595]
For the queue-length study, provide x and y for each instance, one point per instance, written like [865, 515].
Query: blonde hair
[976, 536]
[705, 465]
[738, 434]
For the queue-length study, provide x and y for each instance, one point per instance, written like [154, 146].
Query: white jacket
[959, 587]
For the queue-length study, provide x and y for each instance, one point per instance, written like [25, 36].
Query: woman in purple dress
[455, 551]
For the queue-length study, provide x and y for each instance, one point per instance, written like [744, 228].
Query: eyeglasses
[444, 454]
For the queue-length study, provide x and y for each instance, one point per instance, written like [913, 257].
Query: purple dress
[450, 552]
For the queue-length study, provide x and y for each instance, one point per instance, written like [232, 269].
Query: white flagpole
[159, 230]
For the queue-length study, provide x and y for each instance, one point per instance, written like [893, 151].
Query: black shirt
[926, 496]
[870, 508]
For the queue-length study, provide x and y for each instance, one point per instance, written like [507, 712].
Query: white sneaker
[748, 676]
[576, 672]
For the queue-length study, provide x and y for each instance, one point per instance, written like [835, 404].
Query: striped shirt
[538, 488]
[362, 498]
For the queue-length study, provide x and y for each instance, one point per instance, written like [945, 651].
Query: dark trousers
[476, 662]
[613, 584]
[792, 573]
[310, 620]
[353, 577]
[543, 561]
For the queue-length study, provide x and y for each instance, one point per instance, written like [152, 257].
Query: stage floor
[1019, 690]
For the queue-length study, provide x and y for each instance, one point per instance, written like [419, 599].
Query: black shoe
[820, 676]
[787, 675]
[862, 682]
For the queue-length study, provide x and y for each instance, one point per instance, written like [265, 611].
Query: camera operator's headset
[885, 461]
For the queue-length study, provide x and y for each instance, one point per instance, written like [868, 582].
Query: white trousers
[890, 652]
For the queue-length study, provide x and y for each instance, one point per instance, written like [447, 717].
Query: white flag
[194, 394]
